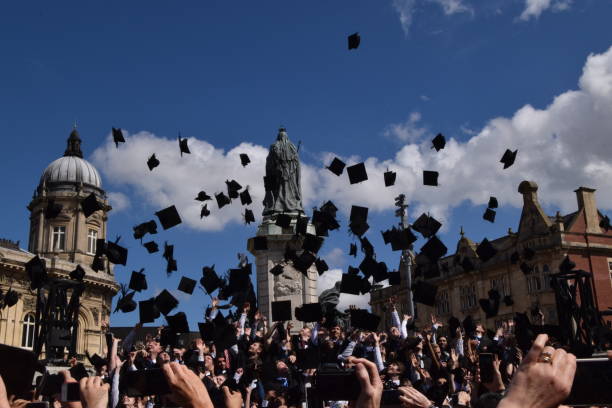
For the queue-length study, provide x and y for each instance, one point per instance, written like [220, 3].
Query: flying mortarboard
[277, 269]
[304, 261]
[138, 281]
[489, 215]
[96, 360]
[244, 159]
[401, 239]
[350, 284]
[118, 136]
[485, 250]
[492, 202]
[204, 211]
[147, 310]
[249, 217]
[151, 247]
[368, 266]
[358, 220]
[169, 217]
[281, 311]
[222, 200]
[90, 205]
[202, 196]
[337, 166]
[605, 223]
[453, 325]
[390, 177]
[178, 323]
[468, 325]
[149, 227]
[312, 243]
[283, 220]
[508, 158]
[488, 306]
[165, 302]
[430, 178]
[245, 197]
[187, 285]
[97, 264]
[321, 266]
[394, 278]
[78, 273]
[301, 226]
[362, 319]
[126, 302]
[116, 253]
[566, 265]
[207, 331]
[53, 210]
[10, 298]
[357, 173]
[309, 312]
[353, 250]
[438, 142]
[183, 146]
[37, 272]
[434, 249]
[232, 188]
[380, 273]
[238, 281]
[426, 225]
[210, 280]
[425, 293]
[260, 243]
[353, 41]
[152, 162]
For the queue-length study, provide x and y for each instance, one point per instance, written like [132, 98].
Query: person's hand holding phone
[94, 393]
[187, 389]
[69, 380]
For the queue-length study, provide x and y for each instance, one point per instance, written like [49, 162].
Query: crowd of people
[423, 367]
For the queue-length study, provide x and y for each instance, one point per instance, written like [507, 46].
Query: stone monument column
[283, 197]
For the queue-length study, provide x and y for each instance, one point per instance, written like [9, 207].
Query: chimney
[529, 190]
[586, 202]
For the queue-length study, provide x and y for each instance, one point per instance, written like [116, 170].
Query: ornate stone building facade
[550, 238]
[63, 242]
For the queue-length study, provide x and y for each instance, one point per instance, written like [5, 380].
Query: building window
[27, 334]
[501, 284]
[467, 297]
[92, 237]
[546, 277]
[442, 303]
[610, 269]
[534, 284]
[59, 238]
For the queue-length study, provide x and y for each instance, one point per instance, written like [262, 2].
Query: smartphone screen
[70, 392]
[591, 383]
[486, 367]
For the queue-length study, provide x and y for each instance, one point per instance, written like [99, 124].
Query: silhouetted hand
[411, 398]
[94, 393]
[187, 389]
[371, 385]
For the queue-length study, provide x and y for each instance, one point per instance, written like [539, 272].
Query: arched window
[27, 334]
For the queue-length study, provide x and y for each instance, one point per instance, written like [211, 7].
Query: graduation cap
[149, 227]
[90, 205]
[260, 243]
[10, 298]
[368, 266]
[390, 177]
[490, 307]
[204, 211]
[301, 226]
[53, 209]
[350, 284]
[380, 273]
[321, 266]
[238, 281]
[95, 360]
[309, 312]
[566, 265]
[508, 158]
[357, 173]
[425, 293]
[118, 137]
[232, 188]
[171, 266]
[281, 311]
[147, 311]
[358, 220]
[438, 142]
[394, 278]
[508, 300]
[283, 220]
[485, 250]
[492, 202]
[528, 253]
[178, 323]
[426, 225]
[78, 273]
[245, 197]
[187, 285]
[467, 264]
[222, 200]
[366, 246]
[78, 371]
[210, 280]
[116, 253]
[151, 247]
[152, 162]
[304, 261]
[353, 250]
[605, 223]
[401, 239]
[489, 215]
[249, 217]
[37, 272]
[353, 41]
[97, 264]
[468, 325]
[453, 325]
[169, 217]
[514, 258]
[362, 319]
[277, 269]
[430, 178]
[526, 268]
[207, 331]
[183, 145]
[126, 302]
[225, 337]
[312, 243]
[202, 196]
[337, 166]
[308, 358]
[165, 302]
[244, 159]
[138, 281]
[434, 249]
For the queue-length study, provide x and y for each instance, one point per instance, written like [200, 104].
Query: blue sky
[227, 74]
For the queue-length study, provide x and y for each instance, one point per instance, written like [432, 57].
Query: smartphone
[591, 383]
[142, 383]
[486, 367]
[37, 404]
[18, 382]
[70, 392]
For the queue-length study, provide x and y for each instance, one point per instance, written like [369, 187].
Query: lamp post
[406, 259]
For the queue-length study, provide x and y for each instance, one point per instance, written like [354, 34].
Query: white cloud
[119, 201]
[425, 98]
[408, 131]
[453, 6]
[405, 10]
[534, 8]
[335, 258]
[329, 279]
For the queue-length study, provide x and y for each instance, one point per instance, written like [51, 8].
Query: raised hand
[412, 398]
[187, 388]
[94, 392]
[233, 399]
[371, 385]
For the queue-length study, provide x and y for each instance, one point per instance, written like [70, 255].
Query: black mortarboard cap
[489, 215]
[244, 159]
[368, 266]
[381, 272]
[390, 177]
[126, 302]
[362, 319]
[187, 285]
[202, 196]
[304, 261]
[90, 205]
[312, 243]
[78, 273]
[434, 249]
[301, 226]
[204, 211]
[528, 253]
[430, 178]
[138, 281]
[118, 136]
[386, 235]
[249, 217]
[277, 269]
[366, 246]
[151, 247]
[402, 239]
[10, 298]
[353, 250]
[526, 268]
[453, 325]
[493, 202]
[165, 302]
[169, 217]
[210, 280]
[468, 325]
[238, 281]
[207, 331]
[97, 264]
[488, 307]
[366, 286]
[353, 41]
[225, 337]
[96, 360]
[168, 251]
[222, 200]
[148, 311]
[116, 253]
[359, 227]
[605, 223]
[426, 225]
[309, 312]
[467, 264]
[232, 188]
[337, 166]
[350, 284]
[485, 250]
[245, 197]
[78, 371]
[321, 266]
[508, 158]
[37, 272]
[283, 220]
[566, 265]
[438, 142]
[171, 266]
[149, 227]
[508, 300]
[260, 243]
[281, 311]
[329, 208]
[425, 293]
[183, 145]
[394, 278]
[53, 209]
[152, 162]
[352, 270]
[514, 258]
[178, 323]
[308, 358]
[358, 218]
[357, 173]
[290, 253]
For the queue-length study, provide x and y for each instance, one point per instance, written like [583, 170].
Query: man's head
[443, 342]
[281, 367]
[255, 348]
[335, 332]
[221, 363]
[153, 347]
[394, 332]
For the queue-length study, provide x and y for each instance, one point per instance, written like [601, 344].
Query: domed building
[64, 241]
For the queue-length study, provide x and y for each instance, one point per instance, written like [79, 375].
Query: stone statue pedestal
[291, 284]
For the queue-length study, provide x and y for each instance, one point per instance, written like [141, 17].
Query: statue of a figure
[282, 180]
